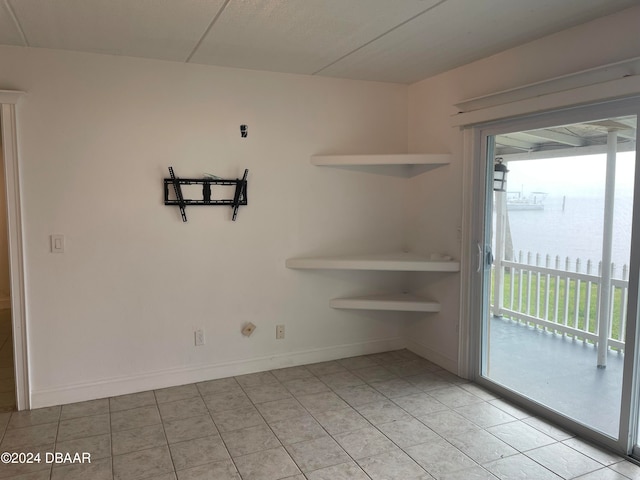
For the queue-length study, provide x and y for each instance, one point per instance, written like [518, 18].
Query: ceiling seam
[206, 32]
[378, 37]
[16, 22]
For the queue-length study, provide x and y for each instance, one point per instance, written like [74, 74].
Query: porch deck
[557, 371]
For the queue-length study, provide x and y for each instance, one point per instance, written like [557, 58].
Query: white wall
[435, 210]
[115, 313]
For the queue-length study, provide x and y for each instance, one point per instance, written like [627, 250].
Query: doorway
[8, 132]
[7, 367]
[558, 268]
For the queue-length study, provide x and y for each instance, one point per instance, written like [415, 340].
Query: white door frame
[8, 100]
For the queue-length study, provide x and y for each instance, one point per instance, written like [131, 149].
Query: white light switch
[57, 243]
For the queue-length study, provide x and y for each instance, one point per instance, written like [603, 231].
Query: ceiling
[399, 41]
[587, 138]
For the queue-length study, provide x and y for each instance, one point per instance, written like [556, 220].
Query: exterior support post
[498, 269]
[604, 292]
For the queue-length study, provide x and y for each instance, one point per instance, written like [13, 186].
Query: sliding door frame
[478, 206]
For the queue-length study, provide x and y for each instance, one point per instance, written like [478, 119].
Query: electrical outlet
[199, 337]
[279, 332]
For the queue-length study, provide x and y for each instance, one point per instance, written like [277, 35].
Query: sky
[576, 176]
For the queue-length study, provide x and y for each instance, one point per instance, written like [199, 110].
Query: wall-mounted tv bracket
[239, 197]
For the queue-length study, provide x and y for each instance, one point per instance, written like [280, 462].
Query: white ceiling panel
[162, 29]
[9, 32]
[383, 40]
[299, 36]
[461, 31]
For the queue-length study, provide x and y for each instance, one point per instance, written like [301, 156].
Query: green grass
[558, 299]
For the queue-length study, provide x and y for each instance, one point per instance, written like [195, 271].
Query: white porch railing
[560, 298]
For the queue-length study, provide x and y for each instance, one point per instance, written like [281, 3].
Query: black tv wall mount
[239, 197]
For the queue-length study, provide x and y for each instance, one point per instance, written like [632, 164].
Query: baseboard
[436, 357]
[180, 376]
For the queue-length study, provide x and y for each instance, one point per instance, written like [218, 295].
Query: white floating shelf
[398, 262]
[434, 159]
[399, 302]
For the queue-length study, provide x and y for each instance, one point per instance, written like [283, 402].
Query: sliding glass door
[558, 266]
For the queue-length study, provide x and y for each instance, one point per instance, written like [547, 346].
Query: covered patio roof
[572, 140]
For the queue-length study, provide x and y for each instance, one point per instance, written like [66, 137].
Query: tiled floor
[387, 416]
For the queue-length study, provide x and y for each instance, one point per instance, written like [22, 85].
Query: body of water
[572, 226]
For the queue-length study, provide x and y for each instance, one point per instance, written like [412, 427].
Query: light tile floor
[386, 416]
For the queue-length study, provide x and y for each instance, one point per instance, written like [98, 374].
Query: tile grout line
[413, 416]
[164, 430]
[269, 426]
[355, 461]
[55, 441]
[218, 430]
[367, 420]
[113, 474]
[322, 426]
[449, 408]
